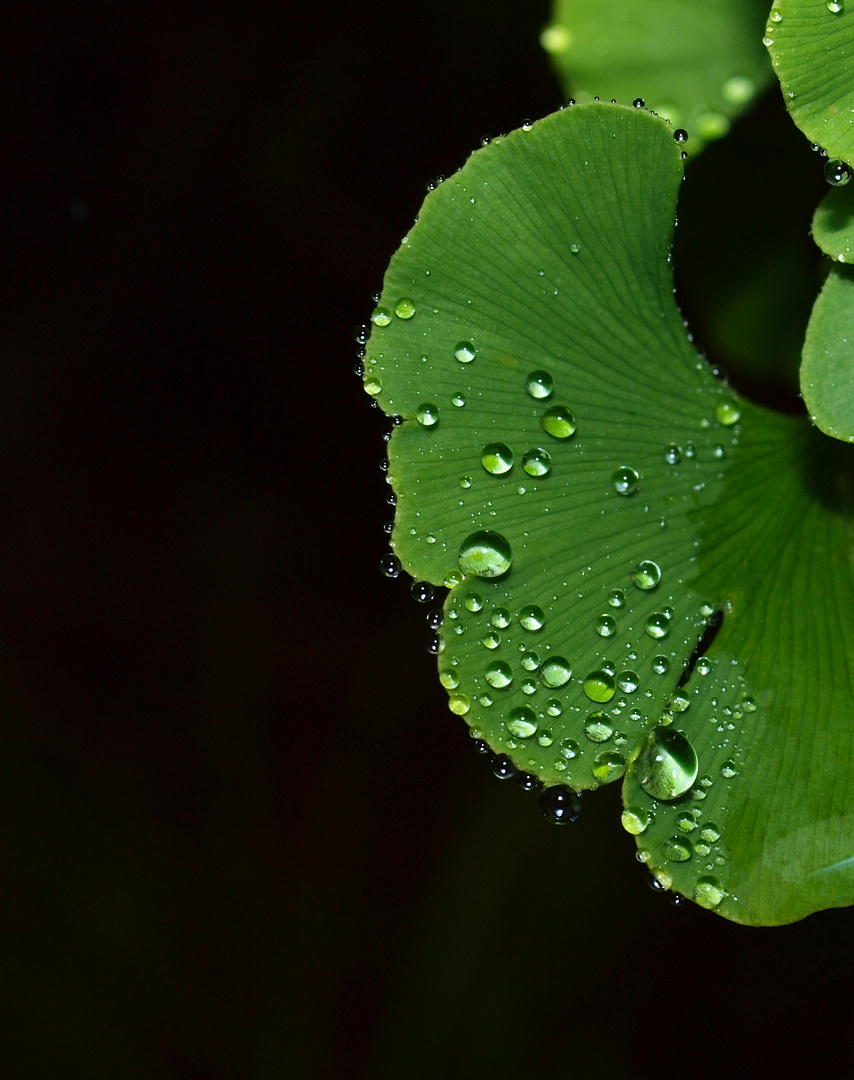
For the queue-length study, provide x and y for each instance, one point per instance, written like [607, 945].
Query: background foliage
[229, 850]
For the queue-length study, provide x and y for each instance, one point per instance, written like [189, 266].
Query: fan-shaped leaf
[827, 369]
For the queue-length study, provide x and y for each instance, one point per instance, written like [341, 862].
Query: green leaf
[827, 369]
[811, 43]
[536, 282]
[833, 224]
[697, 64]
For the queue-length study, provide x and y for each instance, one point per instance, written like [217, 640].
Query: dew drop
[728, 769]
[559, 422]
[474, 602]
[657, 625]
[537, 462]
[606, 626]
[686, 822]
[499, 674]
[390, 566]
[672, 454]
[727, 413]
[638, 103]
[598, 729]
[544, 737]
[404, 308]
[708, 892]
[497, 458]
[427, 414]
[710, 833]
[465, 352]
[837, 173]
[600, 686]
[555, 672]
[617, 598]
[560, 804]
[373, 385]
[625, 481]
[836, 7]
[503, 767]
[532, 617]
[522, 722]
[540, 385]
[381, 316]
[667, 766]
[554, 707]
[449, 679]
[422, 591]
[458, 400]
[465, 482]
[677, 849]
[500, 618]
[628, 681]
[575, 247]
[530, 661]
[680, 135]
[568, 749]
[459, 704]
[485, 554]
[635, 820]
[608, 766]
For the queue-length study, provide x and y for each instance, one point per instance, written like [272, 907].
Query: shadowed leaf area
[595, 499]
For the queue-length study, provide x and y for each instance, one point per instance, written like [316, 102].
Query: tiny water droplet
[638, 103]
[540, 385]
[600, 686]
[836, 172]
[606, 626]
[559, 422]
[560, 804]
[465, 352]
[667, 765]
[532, 617]
[708, 892]
[381, 316]
[485, 554]
[537, 462]
[465, 482]
[625, 481]
[427, 414]
[568, 749]
[598, 729]
[635, 820]
[404, 308]
[555, 672]
[522, 722]
[727, 413]
[672, 454]
[749, 705]
[497, 458]
[575, 247]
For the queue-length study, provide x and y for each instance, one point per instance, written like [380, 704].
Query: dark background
[240, 834]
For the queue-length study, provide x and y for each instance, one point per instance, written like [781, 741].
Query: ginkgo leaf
[827, 368]
[600, 505]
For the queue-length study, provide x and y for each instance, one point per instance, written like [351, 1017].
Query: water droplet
[422, 591]
[390, 566]
[404, 308]
[537, 462]
[617, 598]
[672, 454]
[708, 892]
[528, 686]
[628, 681]
[836, 7]
[465, 482]
[465, 352]
[667, 765]
[530, 661]
[657, 625]
[679, 703]
[749, 705]
[559, 422]
[560, 804]
[677, 849]
[528, 782]
[680, 135]
[474, 602]
[606, 626]
[837, 173]
[646, 575]
[501, 618]
[625, 481]
[608, 766]
[568, 749]
[532, 617]
[776, 16]
[728, 769]
[600, 686]
[544, 737]
[686, 822]
[449, 679]
[727, 413]
[497, 458]
[459, 704]
[575, 247]
[710, 833]
[485, 554]
[499, 674]
[639, 103]
[427, 414]
[522, 722]
[554, 707]
[635, 820]
[458, 400]
[767, 41]
[555, 672]
[540, 385]
[373, 385]
[381, 316]
[598, 729]
[503, 767]
[490, 641]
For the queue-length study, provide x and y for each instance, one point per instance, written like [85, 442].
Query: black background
[240, 833]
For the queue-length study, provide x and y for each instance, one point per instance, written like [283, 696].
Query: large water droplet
[497, 458]
[625, 481]
[556, 671]
[677, 849]
[600, 687]
[404, 308]
[635, 820]
[373, 385]
[459, 704]
[427, 414]
[532, 617]
[836, 7]
[559, 422]
[837, 173]
[598, 727]
[646, 575]
[522, 722]
[667, 766]
[499, 674]
[465, 352]
[500, 618]
[540, 385]
[560, 804]
[708, 892]
[657, 625]
[381, 316]
[537, 462]
[485, 554]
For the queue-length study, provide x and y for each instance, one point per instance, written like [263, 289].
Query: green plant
[649, 575]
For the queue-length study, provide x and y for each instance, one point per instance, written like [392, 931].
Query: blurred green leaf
[698, 65]
[833, 224]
